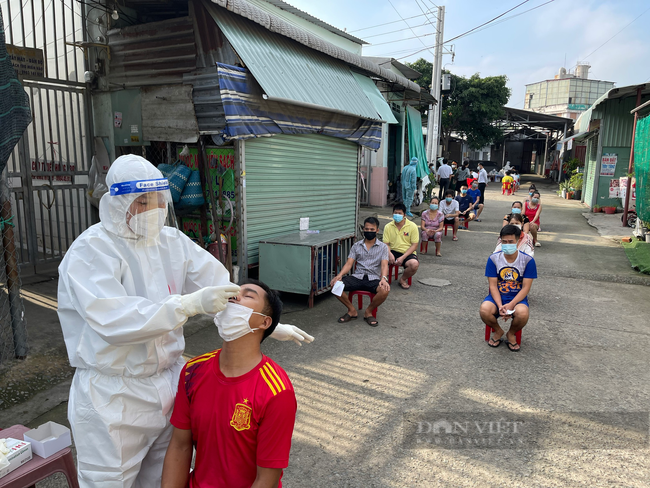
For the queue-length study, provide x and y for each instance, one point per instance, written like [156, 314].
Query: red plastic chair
[488, 332]
[360, 294]
[39, 468]
[390, 274]
[451, 226]
[465, 222]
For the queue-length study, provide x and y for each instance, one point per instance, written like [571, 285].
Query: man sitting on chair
[371, 274]
[510, 274]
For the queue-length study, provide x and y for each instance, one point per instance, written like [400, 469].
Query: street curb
[36, 406]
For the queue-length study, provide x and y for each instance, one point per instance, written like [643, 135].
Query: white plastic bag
[96, 183]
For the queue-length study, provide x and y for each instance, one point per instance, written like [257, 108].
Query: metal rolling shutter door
[294, 176]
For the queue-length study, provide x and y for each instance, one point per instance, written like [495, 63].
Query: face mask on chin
[232, 322]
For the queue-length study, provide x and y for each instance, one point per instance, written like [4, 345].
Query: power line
[635, 19]
[408, 39]
[387, 23]
[393, 32]
[400, 16]
[484, 26]
[489, 21]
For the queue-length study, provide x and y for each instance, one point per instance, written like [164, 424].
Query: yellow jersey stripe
[268, 382]
[200, 359]
[268, 372]
[277, 376]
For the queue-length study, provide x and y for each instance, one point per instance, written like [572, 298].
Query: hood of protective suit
[113, 208]
[414, 161]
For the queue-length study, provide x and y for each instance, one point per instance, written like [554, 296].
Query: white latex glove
[286, 332]
[210, 300]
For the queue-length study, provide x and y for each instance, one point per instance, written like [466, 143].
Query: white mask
[517, 225]
[232, 322]
[148, 224]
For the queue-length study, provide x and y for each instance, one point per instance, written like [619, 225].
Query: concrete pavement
[584, 350]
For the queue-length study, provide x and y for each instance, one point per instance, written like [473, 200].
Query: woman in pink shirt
[432, 224]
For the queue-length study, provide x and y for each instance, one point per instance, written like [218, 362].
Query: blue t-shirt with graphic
[510, 276]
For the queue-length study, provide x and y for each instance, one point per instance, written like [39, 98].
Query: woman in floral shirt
[432, 224]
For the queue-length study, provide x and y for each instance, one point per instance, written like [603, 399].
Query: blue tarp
[15, 114]
[249, 115]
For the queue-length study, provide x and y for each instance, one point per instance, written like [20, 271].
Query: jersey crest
[241, 417]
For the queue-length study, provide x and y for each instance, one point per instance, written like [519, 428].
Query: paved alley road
[585, 350]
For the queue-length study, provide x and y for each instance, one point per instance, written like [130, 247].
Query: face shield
[138, 204]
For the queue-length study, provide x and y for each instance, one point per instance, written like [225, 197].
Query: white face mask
[233, 321]
[148, 224]
[517, 225]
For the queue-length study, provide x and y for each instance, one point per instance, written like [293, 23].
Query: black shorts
[407, 259]
[353, 283]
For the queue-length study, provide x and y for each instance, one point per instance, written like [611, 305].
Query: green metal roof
[291, 72]
[374, 95]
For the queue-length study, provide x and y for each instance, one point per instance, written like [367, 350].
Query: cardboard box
[48, 438]
[21, 452]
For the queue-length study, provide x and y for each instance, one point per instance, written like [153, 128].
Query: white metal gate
[48, 170]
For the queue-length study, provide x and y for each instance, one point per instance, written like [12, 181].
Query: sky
[527, 48]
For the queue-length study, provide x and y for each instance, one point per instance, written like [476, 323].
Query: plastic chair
[451, 226]
[488, 332]
[39, 468]
[360, 294]
[390, 274]
[424, 245]
[465, 222]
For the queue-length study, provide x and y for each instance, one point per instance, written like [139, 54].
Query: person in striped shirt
[236, 406]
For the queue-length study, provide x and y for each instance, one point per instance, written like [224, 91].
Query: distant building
[567, 95]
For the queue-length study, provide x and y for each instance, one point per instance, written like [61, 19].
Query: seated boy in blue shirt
[475, 194]
[466, 204]
[510, 274]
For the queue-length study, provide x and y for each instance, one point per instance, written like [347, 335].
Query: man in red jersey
[235, 405]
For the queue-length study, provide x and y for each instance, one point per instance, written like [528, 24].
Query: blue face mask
[463, 191]
[397, 218]
[448, 199]
[531, 193]
[433, 206]
[509, 248]
[516, 210]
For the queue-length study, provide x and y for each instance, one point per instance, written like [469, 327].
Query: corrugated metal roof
[410, 73]
[207, 101]
[157, 53]
[314, 20]
[291, 72]
[279, 26]
[374, 95]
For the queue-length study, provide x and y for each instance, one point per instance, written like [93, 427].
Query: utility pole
[433, 121]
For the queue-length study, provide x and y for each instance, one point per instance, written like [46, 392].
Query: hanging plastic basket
[192, 195]
[166, 169]
[177, 181]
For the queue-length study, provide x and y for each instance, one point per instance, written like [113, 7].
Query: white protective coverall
[122, 313]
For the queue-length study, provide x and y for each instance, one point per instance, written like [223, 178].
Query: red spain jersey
[237, 423]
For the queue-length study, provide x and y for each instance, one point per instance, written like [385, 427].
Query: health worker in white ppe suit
[126, 288]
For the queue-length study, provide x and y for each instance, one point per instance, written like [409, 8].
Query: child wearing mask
[510, 275]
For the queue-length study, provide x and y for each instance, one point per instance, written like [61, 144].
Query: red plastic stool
[465, 222]
[39, 468]
[448, 225]
[424, 245]
[390, 274]
[488, 332]
[360, 294]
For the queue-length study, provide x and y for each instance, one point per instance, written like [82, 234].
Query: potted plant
[569, 195]
[609, 210]
[564, 188]
[597, 209]
[576, 183]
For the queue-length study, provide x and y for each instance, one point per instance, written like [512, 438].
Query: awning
[578, 137]
[290, 72]
[374, 95]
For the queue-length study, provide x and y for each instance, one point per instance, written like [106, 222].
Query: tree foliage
[471, 107]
